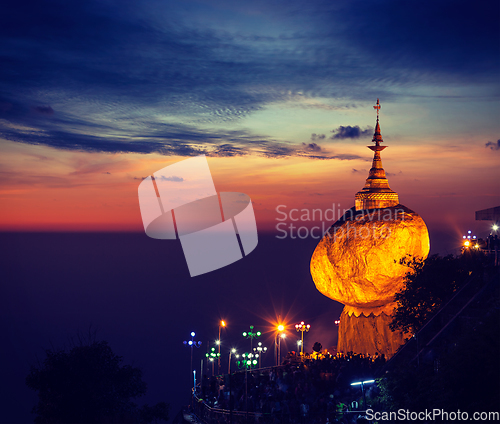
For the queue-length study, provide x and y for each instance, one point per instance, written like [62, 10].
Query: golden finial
[377, 106]
[377, 137]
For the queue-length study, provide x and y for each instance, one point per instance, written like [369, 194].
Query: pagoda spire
[377, 136]
[376, 193]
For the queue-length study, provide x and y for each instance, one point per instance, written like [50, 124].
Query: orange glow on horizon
[45, 189]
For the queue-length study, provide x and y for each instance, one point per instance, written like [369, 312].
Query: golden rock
[357, 260]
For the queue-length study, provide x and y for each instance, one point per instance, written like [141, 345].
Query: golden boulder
[357, 262]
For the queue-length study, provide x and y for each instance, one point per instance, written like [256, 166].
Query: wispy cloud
[348, 131]
[136, 77]
[173, 179]
[492, 145]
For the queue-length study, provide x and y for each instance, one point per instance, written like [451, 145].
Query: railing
[212, 415]
[282, 412]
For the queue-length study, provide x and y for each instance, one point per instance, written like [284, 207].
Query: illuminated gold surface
[368, 334]
[376, 193]
[357, 261]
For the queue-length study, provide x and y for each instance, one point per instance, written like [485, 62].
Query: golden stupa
[357, 262]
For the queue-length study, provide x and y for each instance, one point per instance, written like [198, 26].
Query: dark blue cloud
[95, 75]
[492, 145]
[350, 132]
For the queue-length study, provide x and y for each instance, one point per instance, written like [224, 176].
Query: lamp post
[470, 241]
[251, 335]
[229, 365]
[259, 350]
[302, 327]
[211, 357]
[192, 343]
[357, 383]
[280, 328]
[222, 323]
[282, 336]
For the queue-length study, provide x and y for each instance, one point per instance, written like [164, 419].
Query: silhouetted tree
[468, 375]
[88, 384]
[317, 347]
[429, 284]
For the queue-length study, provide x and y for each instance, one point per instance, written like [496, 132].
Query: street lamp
[302, 327]
[211, 357]
[250, 360]
[229, 365]
[280, 328]
[192, 343]
[282, 336]
[357, 383]
[251, 335]
[259, 350]
[222, 323]
[469, 240]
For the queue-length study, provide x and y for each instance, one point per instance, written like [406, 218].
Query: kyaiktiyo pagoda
[357, 262]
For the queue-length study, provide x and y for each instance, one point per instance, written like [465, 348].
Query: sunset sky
[96, 95]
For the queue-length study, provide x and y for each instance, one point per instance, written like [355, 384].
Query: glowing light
[223, 323]
[244, 334]
[281, 328]
[193, 334]
[466, 243]
[362, 382]
[233, 350]
[217, 342]
[283, 336]
[494, 227]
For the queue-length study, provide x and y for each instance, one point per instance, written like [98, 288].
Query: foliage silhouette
[88, 384]
[317, 346]
[429, 284]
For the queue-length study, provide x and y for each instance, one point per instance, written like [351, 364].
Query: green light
[245, 334]
[254, 362]
[249, 362]
[258, 333]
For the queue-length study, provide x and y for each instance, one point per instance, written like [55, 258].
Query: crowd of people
[302, 390]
